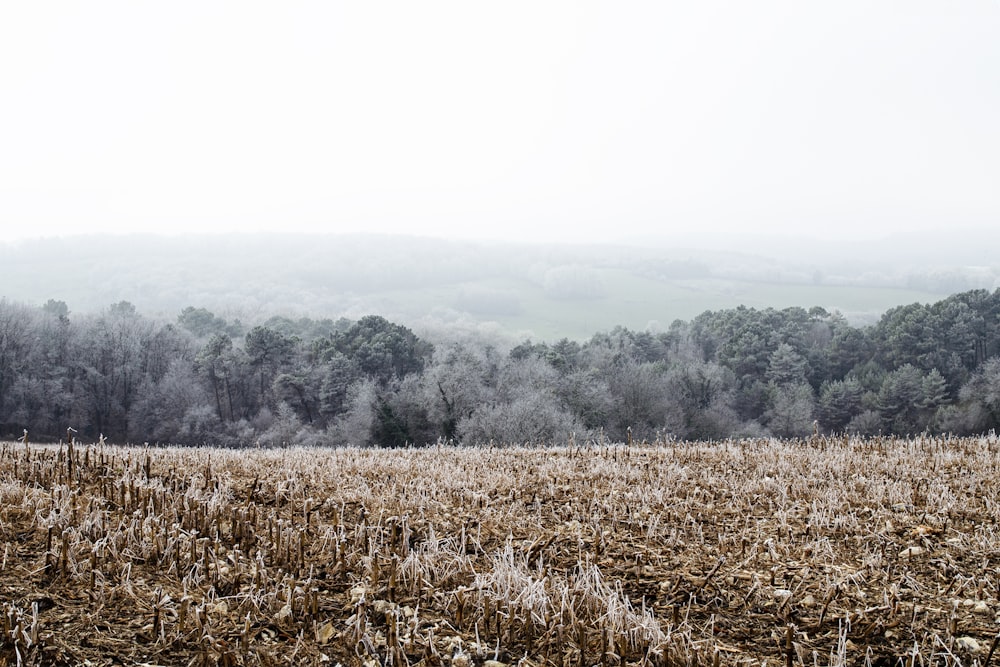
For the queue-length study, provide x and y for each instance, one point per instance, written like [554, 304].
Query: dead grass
[820, 552]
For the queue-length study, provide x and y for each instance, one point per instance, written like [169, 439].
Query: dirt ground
[829, 551]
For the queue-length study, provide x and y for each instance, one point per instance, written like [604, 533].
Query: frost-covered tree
[786, 366]
[791, 411]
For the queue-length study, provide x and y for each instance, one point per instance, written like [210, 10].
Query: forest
[740, 372]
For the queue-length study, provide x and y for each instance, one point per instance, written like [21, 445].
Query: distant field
[759, 552]
[411, 280]
[634, 301]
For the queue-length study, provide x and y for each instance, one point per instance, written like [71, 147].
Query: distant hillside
[546, 292]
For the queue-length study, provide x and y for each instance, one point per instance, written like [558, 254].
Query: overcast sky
[527, 120]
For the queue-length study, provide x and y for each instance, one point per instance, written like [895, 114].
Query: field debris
[822, 551]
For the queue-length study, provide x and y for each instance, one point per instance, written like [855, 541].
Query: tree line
[735, 372]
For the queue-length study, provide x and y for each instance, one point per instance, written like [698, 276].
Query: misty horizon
[559, 123]
[536, 291]
[559, 169]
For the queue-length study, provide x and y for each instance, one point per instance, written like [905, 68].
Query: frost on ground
[822, 551]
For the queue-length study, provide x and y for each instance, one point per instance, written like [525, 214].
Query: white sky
[528, 120]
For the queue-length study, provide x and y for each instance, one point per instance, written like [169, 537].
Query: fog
[393, 341]
[544, 170]
[513, 290]
[557, 122]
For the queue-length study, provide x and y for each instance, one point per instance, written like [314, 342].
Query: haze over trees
[545, 291]
[202, 378]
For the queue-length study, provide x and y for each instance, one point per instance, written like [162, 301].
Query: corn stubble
[827, 551]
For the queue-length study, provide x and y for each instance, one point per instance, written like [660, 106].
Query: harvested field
[830, 551]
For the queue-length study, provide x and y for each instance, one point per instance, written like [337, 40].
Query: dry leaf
[325, 633]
